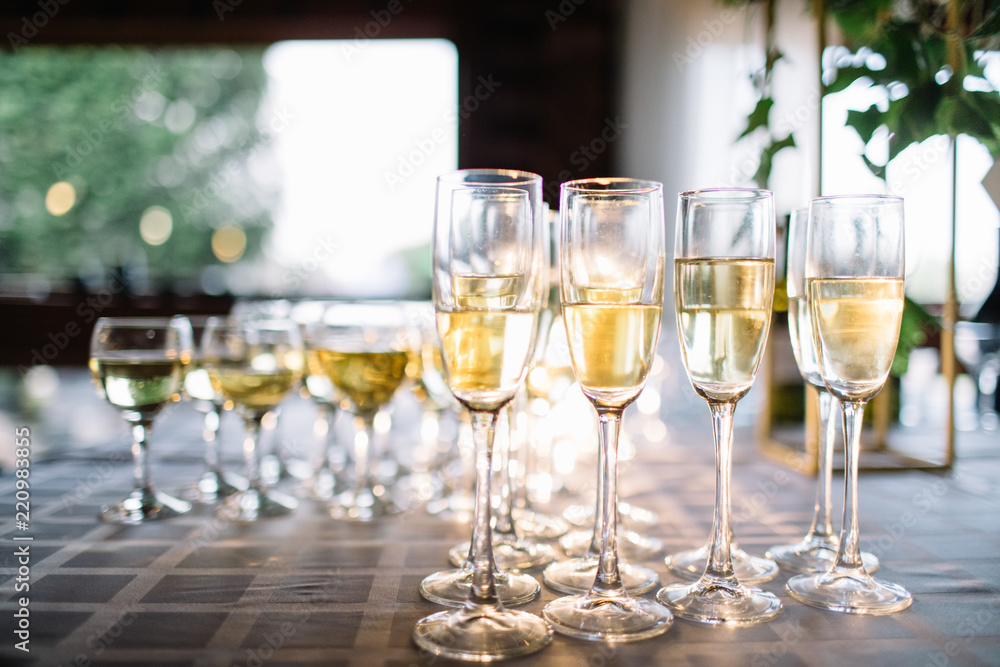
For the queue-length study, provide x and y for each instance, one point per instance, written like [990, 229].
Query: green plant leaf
[913, 329]
[767, 158]
[846, 76]
[865, 122]
[758, 117]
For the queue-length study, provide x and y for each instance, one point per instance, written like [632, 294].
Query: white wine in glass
[854, 285]
[139, 365]
[487, 293]
[723, 292]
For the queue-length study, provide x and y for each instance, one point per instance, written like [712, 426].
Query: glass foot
[363, 505]
[536, 524]
[577, 576]
[141, 507]
[482, 633]
[849, 591]
[611, 619]
[813, 556]
[725, 602]
[629, 516]
[255, 504]
[451, 587]
[632, 546]
[516, 555]
[749, 569]
[214, 486]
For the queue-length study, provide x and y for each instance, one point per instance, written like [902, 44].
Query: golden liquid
[609, 294]
[368, 379]
[487, 292]
[317, 382]
[857, 327]
[254, 389]
[485, 353]
[723, 312]
[612, 348]
[138, 383]
[800, 331]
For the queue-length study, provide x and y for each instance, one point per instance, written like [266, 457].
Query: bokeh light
[229, 243]
[156, 225]
[60, 198]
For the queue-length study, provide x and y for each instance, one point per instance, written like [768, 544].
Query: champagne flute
[363, 348]
[214, 484]
[854, 281]
[486, 289]
[452, 587]
[723, 291]
[256, 362]
[816, 551]
[139, 365]
[612, 256]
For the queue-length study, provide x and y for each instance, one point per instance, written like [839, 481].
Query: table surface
[308, 590]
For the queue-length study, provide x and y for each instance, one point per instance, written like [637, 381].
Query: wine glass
[139, 365]
[814, 552]
[854, 280]
[363, 347]
[452, 587]
[214, 483]
[723, 291]
[487, 294]
[256, 362]
[612, 257]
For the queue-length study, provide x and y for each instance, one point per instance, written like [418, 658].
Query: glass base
[362, 505]
[629, 516]
[849, 591]
[632, 546]
[577, 575]
[451, 587]
[142, 507]
[611, 619]
[813, 556]
[482, 633]
[214, 486]
[720, 602]
[540, 525]
[323, 484]
[256, 504]
[517, 555]
[749, 569]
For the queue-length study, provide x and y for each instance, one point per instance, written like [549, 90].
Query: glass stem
[251, 451]
[483, 591]
[608, 582]
[720, 557]
[210, 434]
[364, 433]
[849, 552]
[594, 551]
[504, 528]
[140, 457]
[822, 524]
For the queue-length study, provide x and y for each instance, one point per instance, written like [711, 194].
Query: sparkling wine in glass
[816, 551]
[363, 347]
[854, 286]
[723, 292]
[487, 294]
[452, 587]
[256, 362]
[139, 365]
[612, 256]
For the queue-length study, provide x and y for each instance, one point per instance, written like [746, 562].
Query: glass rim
[737, 194]
[856, 198]
[638, 185]
[490, 190]
[141, 322]
[517, 176]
